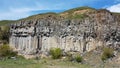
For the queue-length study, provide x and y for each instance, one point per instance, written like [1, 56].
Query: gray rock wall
[98, 29]
[25, 45]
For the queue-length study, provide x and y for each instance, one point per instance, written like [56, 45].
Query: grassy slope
[6, 22]
[56, 15]
[69, 15]
[92, 60]
[33, 17]
[42, 63]
[79, 8]
[116, 13]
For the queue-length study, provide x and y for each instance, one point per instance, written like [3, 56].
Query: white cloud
[17, 13]
[114, 8]
[13, 15]
[16, 9]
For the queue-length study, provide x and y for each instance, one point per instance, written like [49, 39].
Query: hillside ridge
[75, 13]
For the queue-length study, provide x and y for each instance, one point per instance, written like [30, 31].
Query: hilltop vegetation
[75, 13]
[79, 13]
[40, 16]
[79, 8]
[6, 22]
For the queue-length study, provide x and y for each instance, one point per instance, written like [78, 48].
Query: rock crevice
[97, 29]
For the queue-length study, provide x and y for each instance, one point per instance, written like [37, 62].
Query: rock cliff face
[81, 30]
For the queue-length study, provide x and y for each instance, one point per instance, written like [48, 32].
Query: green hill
[6, 22]
[75, 13]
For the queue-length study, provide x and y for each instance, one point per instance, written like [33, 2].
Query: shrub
[78, 58]
[6, 52]
[74, 57]
[4, 34]
[107, 53]
[69, 57]
[56, 53]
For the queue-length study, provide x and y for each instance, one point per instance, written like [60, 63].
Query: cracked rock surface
[98, 28]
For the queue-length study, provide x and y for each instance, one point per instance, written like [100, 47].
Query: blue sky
[16, 9]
